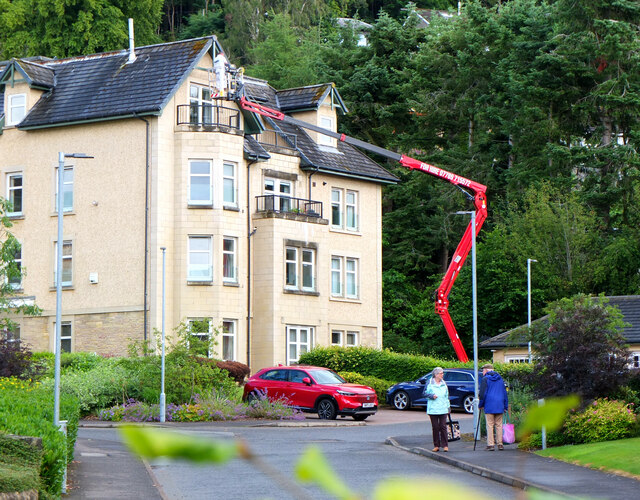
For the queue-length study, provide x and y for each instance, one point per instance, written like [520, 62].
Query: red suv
[313, 389]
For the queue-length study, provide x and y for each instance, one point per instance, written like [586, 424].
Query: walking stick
[475, 437]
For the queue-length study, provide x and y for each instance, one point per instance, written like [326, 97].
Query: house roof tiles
[104, 86]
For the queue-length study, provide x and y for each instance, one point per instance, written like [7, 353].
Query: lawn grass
[613, 456]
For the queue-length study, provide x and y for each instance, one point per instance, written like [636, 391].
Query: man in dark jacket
[494, 401]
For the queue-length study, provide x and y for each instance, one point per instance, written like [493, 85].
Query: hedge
[28, 411]
[20, 463]
[378, 385]
[395, 367]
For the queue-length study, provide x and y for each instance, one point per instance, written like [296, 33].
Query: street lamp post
[163, 401]
[474, 292]
[529, 261]
[58, 332]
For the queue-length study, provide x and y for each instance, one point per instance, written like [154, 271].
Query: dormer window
[17, 108]
[325, 140]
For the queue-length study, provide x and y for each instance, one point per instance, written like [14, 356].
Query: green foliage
[19, 465]
[15, 361]
[551, 415]
[387, 365]
[583, 350]
[312, 467]
[79, 361]
[377, 384]
[28, 411]
[104, 385]
[66, 27]
[602, 420]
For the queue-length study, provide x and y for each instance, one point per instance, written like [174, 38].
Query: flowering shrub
[602, 420]
[213, 407]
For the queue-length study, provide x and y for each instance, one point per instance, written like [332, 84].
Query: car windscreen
[326, 377]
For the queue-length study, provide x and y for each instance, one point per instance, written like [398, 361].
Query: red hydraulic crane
[478, 195]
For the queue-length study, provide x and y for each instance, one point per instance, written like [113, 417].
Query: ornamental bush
[19, 465]
[377, 384]
[602, 420]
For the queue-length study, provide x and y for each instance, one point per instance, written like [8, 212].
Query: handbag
[508, 431]
[453, 429]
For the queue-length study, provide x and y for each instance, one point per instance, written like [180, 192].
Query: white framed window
[344, 339]
[229, 259]
[300, 268]
[299, 341]
[229, 339]
[635, 360]
[200, 183]
[15, 281]
[351, 210]
[200, 267]
[336, 276]
[517, 358]
[291, 268]
[17, 108]
[67, 189]
[201, 105]
[352, 339]
[336, 337]
[344, 209]
[336, 207]
[65, 336]
[200, 328]
[344, 277]
[326, 140]
[15, 193]
[281, 192]
[67, 263]
[229, 184]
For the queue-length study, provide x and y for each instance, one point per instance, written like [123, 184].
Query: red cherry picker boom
[473, 190]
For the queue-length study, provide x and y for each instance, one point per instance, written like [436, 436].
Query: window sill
[200, 283]
[64, 212]
[231, 208]
[16, 216]
[64, 287]
[231, 284]
[301, 292]
[346, 299]
[355, 232]
[206, 205]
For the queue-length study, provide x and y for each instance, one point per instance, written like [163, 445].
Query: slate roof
[38, 74]
[629, 306]
[103, 86]
[253, 150]
[306, 98]
[345, 160]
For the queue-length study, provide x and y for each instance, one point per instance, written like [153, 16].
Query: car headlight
[346, 393]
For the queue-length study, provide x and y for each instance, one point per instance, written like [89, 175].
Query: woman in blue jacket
[438, 407]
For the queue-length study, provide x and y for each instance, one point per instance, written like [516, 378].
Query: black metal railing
[280, 140]
[208, 115]
[287, 205]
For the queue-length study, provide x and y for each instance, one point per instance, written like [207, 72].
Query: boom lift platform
[473, 190]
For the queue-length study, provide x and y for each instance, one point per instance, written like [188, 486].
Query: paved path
[525, 470]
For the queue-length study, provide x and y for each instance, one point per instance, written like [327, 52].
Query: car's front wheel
[401, 401]
[327, 410]
[467, 404]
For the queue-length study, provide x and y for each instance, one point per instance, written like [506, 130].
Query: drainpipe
[309, 190]
[146, 227]
[250, 233]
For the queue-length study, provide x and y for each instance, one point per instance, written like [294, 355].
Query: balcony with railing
[277, 139]
[288, 207]
[208, 116]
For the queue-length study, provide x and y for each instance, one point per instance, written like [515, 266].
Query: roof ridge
[120, 52]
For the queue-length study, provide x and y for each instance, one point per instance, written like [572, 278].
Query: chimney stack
[132, 45]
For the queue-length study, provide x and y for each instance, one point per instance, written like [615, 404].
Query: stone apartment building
[272, 233]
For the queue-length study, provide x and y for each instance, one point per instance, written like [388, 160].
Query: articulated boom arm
[464, 247]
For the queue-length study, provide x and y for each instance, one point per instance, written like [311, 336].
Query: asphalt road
[356, 452]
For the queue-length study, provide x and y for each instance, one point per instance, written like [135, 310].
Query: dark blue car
[460, 381]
